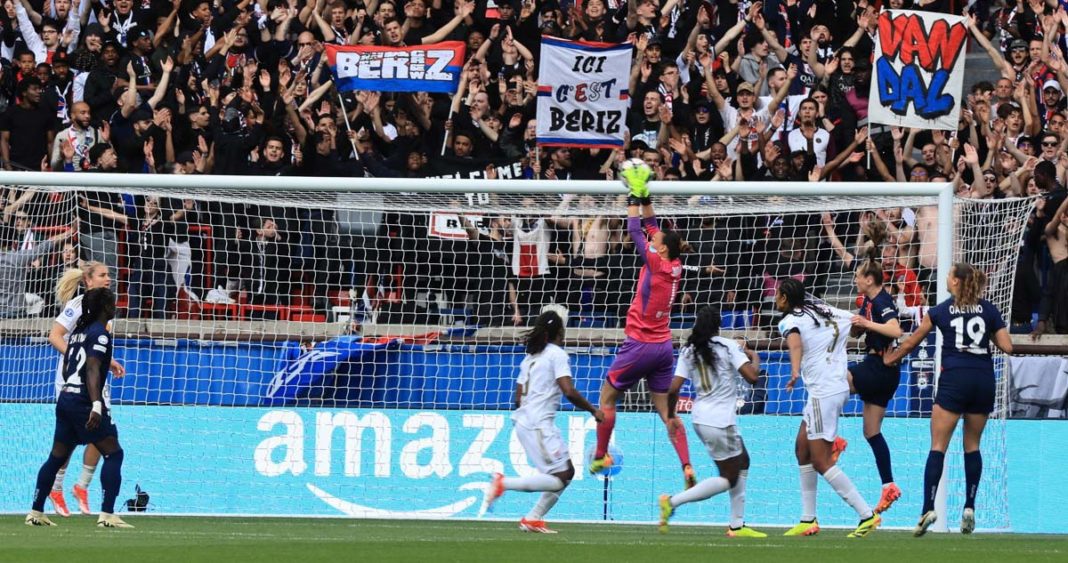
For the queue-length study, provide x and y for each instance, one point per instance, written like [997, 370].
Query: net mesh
[327, 353]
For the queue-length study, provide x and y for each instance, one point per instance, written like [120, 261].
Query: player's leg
[608, 399]
[943, 422]
[876, 385]
[534, 521]
[725, 447]
[808, 526]
[90, 461]
[59, 502]
[661, 372]
[974, 424]
[738, 528]
[46, 475]
[110, 477]
[822, 430]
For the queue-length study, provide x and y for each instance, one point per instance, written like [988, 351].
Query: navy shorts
[70, 426]
[874, 381]
[964, 391]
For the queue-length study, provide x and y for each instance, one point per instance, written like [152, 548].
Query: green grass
[287, 540]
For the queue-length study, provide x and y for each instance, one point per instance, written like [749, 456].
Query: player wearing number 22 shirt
[81, 415]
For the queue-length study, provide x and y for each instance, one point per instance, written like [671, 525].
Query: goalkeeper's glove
[637, 181]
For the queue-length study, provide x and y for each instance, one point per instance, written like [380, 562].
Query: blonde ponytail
[68, 284]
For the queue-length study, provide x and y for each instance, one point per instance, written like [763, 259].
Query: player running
[871, 379]
[966, 386]
[815, 336]
[711, 363]
[92, 275]
[647, 351]
[544, 375]
[81, 416]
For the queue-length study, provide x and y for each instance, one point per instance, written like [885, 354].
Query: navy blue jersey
[966, 333]
[92, 342]
[880, 310]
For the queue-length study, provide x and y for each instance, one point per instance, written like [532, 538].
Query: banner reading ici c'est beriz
[918, 75]
[422, 68]
[582, 93]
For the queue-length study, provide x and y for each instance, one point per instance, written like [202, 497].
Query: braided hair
[547, 328]
[796, 300]
[97, 305]
[705, 327]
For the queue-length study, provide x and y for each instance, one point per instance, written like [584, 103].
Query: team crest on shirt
[68, 312]
[676, 271]
[103, 339]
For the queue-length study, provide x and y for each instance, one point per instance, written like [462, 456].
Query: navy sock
[931, 476]
[973, 470]
[882, 457]
[111, 479]
[46, 477]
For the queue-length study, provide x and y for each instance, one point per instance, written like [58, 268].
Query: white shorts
[722, 443]
[545, 448]
[821, 415]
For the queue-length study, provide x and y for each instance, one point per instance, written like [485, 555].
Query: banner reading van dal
[422, 68]
[582, 93]
[918, 74]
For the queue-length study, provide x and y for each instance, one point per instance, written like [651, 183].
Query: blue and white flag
[423, 68]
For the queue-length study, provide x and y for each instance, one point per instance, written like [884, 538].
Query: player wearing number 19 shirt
[81, 416]
[544, 375]
[816, 338]
[966, 385]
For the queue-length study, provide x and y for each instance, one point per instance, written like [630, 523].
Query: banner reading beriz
[423, 68]
[582, 93]
[918, 75]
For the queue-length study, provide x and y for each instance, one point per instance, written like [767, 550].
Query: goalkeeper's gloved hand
[636, 179]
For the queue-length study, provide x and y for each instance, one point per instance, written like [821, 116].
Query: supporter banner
[474, 169]
[423, 68]
[447, 224]
[918, 75]
[582, 93]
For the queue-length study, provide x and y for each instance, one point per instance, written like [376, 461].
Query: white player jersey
[716, 386]
[70, 314]
[541, 395]
[823, 344]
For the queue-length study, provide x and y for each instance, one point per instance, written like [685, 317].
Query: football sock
[882, 457]
[738, 500]
[973, 471]
[702, 490]
[539, 482]
[682, 447]
[60, 475]
[808, 492]
[932, 474]
[111, 479]
[544, 505]
[841, 484]
[46, 477]
[87, 476]
[604, 432]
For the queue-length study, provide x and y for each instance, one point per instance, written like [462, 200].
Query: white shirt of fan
[716, 400]
[823, 347]
[541, 395]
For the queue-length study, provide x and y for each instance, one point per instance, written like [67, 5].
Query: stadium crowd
[764, 91]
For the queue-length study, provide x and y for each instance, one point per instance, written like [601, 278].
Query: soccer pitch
[285, 539]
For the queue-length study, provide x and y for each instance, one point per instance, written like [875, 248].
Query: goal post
[377, 387]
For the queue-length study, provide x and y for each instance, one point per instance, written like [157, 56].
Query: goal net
[333, 352]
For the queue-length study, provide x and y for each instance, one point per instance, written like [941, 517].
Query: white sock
[58, 485]
[545, 504]
[533, 483]
[87, 476]
[809, 480]
[845, 489]
[738, 500]
[705, 489]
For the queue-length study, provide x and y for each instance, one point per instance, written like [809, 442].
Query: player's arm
[1003, 341]
[518, 395]
[890, 329]
[750, 371]
[57, 337]
[793, 344]
[93, 377]
[910, 343]
[567, 387]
